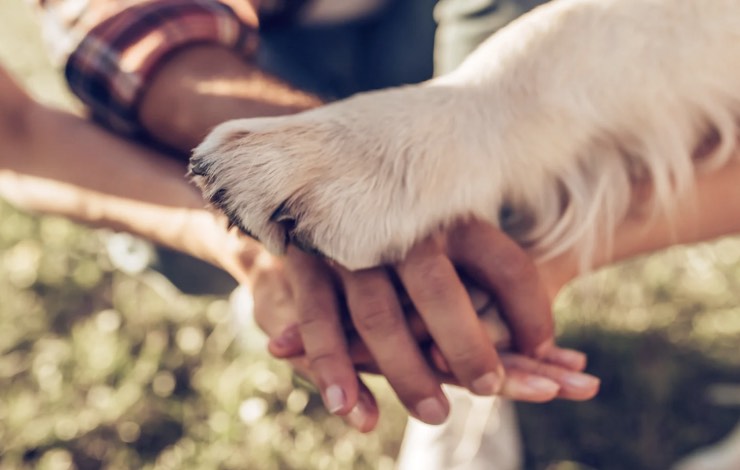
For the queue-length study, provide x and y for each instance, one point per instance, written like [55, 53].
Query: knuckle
[378, 316]
[308, 320]
[470, 360]
[324, 357]
[313, 312]
[316, 327]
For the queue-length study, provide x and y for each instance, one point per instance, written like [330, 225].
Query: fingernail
[335, 398]
[487, 384]
[430, 410]
[581, 380]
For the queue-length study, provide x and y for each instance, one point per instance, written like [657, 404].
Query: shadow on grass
[653, 406]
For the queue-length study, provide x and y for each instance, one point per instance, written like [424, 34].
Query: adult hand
[150, 198]
[540, 372]
[275, 310]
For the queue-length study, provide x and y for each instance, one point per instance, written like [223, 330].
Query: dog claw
[217, 198]
[198, 168]
[281, 214]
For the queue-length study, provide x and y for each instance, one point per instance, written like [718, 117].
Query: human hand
[488, 257]
[150, 198]
[275, 311]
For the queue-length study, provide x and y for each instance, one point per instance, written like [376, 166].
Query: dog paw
[358, 181]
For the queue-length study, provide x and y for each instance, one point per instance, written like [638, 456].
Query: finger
[498, 264]
[321, 330]
[524, 386]
[518, 385]
[524, 381]
[567, 358]
[288, 344]
[573, 385]
[363, 416]
[443, 303]
[359, 351]
[379, 320]
[532, 380]
[499, 333]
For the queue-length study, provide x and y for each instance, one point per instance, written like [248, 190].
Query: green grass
[101, 369]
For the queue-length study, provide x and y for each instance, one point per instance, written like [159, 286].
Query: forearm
[58, 145]
[181, 66]
[202, 86]
[711, 211]
[66, 166]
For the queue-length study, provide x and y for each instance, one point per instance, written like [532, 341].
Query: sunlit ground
[102, 369]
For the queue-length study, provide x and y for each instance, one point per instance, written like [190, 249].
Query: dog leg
[555, 117]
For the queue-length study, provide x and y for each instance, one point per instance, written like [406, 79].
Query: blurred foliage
[663, 334]
[103, 369]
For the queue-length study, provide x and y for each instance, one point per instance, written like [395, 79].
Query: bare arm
[208, 85]
[181, 89]
[54, 162]
[57, 163]
[711, 211]
[202, 86]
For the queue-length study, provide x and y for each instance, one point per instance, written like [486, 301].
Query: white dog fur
[554, 117]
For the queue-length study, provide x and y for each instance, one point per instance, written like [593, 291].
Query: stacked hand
[303, 303]
[332, 323]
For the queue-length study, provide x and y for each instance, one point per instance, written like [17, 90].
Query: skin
[41, 153]
[220, 86]
[710, 211]
[42, 149]
[206, 85]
